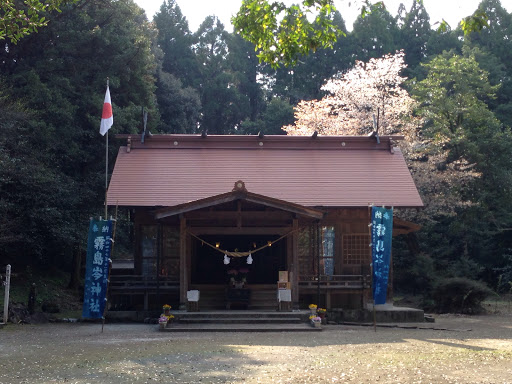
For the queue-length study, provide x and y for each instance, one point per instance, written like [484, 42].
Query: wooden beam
[166, 212]
[245, 215]
[304, 211]
[245, 196]
[239, 231]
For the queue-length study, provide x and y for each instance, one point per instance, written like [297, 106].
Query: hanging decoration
[235, 253]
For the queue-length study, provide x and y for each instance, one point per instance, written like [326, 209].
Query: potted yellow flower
[312, 308]
[167, 309]
[321, 313]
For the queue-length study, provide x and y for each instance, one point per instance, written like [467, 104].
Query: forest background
[458, 147]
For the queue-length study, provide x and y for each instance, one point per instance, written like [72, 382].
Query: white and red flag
[107, 118]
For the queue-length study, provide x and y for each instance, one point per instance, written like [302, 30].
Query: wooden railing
[141, 283]
[335, 281]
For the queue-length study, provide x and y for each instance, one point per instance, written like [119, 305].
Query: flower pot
[167, 311]
[316, 324]
[313, 311]
[162, 325]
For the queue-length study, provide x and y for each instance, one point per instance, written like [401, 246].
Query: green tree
[19, 19]
[495, 55]
[179, 107]
[305, 79]
[283, 34]
[60, 75]
[415, 31]
[243, 63]
[472, 154]
[224, 106]
[375, 35]
[176, 41]
[277, 114]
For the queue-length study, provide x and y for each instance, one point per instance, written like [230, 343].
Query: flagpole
[106, 169]
[106, 175]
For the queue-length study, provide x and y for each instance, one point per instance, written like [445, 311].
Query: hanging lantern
[249, 259]
[226, 259]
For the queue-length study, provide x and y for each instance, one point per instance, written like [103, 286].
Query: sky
[196, 11]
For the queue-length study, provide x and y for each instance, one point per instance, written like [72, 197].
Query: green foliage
[475, 22]
[18, 20]
[460, 295]
[414, 273]
[277, 114]
[55, 157]
[452, 103]
[375, 35]
[282, 34]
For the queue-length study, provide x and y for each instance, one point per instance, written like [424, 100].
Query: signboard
[382, 230]
[97, 268]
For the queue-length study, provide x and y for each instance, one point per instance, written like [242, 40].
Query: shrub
[459, 294]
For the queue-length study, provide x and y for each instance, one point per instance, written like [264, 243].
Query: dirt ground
[476, 349]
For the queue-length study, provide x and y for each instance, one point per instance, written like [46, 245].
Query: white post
[7, 285]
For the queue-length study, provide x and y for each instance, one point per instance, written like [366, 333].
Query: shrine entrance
[207, 264]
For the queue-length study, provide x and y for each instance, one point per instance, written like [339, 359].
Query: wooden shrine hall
[256, 222]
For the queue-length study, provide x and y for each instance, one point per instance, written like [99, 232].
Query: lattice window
[356, 249]
[307, 263]
[327, 260]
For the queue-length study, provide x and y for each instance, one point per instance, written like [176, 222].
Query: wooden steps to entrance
[241, 321]
[213, 297]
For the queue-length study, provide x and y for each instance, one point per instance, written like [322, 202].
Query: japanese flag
[107, 119]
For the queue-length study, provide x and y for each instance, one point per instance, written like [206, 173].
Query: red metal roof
[333, 171]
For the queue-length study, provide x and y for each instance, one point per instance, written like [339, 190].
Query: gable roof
[325, 171]
[239, 194]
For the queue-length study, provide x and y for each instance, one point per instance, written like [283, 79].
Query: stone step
[302, 327]
[240, 314]
[240, 320]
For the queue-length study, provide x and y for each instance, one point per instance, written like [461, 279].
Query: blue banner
[382, 230]
[97, 268]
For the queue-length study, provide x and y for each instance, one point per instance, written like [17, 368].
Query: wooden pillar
[183, 263]
[295, 265]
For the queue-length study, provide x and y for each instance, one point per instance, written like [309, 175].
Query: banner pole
[7, 288]
[371, 266]
[109, 271]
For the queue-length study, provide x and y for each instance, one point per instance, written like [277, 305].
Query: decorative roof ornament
[239, 186]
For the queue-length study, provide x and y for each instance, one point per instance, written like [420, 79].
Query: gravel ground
[475, 349]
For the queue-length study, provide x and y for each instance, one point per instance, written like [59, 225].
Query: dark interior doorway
[208, 266]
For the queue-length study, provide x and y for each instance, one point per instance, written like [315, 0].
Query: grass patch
[51, 287]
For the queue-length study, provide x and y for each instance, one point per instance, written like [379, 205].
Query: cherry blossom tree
[368, 97]
[371, 96]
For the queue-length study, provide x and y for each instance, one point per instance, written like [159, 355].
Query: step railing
[335, 281]
[142, 283]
